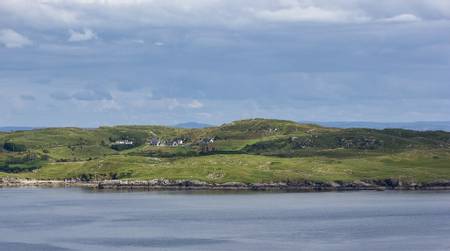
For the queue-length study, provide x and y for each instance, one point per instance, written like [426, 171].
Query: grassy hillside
[254, 150]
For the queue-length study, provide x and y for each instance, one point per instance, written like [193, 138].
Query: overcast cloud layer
[90, 63]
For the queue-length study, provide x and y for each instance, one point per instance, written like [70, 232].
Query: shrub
[14, 147]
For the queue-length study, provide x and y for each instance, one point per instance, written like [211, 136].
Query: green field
[250, 151]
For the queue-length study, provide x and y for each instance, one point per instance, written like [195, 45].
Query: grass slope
[254, 150]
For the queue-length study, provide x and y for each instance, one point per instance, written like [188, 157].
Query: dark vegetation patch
[24, 162]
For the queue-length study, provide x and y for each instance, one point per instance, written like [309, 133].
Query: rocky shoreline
[163, 184]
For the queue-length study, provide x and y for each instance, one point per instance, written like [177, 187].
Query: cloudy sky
[100, 62]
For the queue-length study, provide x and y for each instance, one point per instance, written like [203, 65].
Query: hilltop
[249, 151]
[192, 125]
[418, 126]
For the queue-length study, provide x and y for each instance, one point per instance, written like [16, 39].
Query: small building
[161, 143]
[177, 142]
[123, 142]
[153, 141]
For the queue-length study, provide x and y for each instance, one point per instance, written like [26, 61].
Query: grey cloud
[60, 96]
[83, 95]
[128, 87]
[27, 97]
[393, 66]
[92, 95]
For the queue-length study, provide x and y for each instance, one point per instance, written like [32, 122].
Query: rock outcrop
[164, 184]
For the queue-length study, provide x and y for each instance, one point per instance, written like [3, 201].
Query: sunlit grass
[411, 166]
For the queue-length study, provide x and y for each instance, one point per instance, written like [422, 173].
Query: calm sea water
[77, 219]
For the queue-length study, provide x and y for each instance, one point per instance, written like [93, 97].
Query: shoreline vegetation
[163, 184]
[252, 154]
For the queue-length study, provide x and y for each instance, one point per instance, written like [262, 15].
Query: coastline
[163, 184]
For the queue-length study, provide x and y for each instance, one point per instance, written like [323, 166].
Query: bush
[14, 147]
[86, 177]
[118, 147]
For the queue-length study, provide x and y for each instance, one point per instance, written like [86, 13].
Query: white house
[123, 142]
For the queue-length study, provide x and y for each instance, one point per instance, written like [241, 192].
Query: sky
[97, 62]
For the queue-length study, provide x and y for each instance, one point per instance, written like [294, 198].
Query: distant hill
[192, 125]
[418, 126]
[15, 128]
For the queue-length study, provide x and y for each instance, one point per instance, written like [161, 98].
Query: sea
[54, 219]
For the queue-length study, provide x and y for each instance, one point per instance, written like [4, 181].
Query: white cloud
[195, 104]
[39, 13]
[401, 18]
[121, 14]
[11, 39]
[170, 103]
[164, 103]
[85, 35]
[309, 14]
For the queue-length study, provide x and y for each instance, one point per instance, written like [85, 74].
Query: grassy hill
[253, 150]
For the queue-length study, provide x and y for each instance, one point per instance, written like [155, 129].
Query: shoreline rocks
[164, 184]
